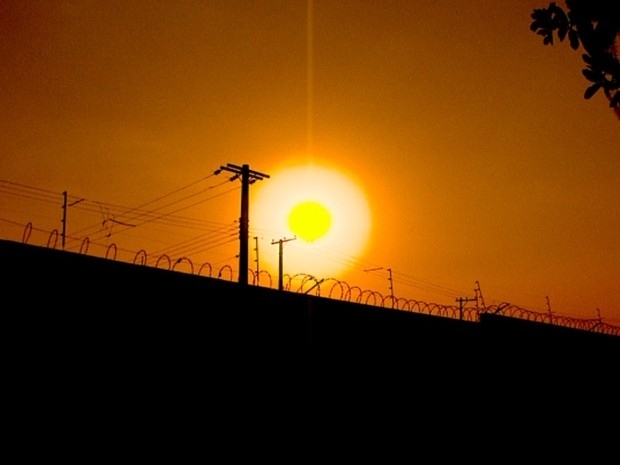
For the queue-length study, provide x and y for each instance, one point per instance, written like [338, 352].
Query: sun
[321, 213]
[309, 220]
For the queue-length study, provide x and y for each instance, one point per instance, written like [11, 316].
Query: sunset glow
[326, 212]
[389, 142]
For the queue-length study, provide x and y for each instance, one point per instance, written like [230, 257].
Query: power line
[149, 216]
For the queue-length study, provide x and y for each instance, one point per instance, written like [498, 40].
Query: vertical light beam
[310, 75]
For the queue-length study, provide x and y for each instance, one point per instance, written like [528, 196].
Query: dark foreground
[116, 361]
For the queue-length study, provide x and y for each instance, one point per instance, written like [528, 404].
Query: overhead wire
[216, 234]
[196, 243]
[114, 219]
[163, 215]
[33, 192]
[124, 212]
[355, 264]
[155, 215]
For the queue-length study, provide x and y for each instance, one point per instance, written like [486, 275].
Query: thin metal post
[64, 218]
[280, 243]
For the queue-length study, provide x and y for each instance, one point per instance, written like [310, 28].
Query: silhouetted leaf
[608, 61]
[541, 14]
[609, 85]
[590, 75]
[594, 28]
[554, 9]
[561, 17]
[562, 33]
[590, 91]
[573, 38]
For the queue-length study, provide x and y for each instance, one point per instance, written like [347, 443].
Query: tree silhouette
[595, 26]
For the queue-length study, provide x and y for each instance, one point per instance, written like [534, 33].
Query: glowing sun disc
[309, 220]
[323, 214]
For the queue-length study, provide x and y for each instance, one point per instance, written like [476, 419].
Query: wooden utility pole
[248, 177]
[280, 243]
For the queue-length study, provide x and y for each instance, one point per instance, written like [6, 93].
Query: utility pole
[389, 270]
[280, 243]
[461, 301]
[248, 177]
[256, 260]
[479, 298]
[65, 207]
[64, 218]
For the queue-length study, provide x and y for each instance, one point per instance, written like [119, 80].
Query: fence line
[341, 290]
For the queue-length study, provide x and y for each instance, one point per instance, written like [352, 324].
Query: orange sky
[480, 158]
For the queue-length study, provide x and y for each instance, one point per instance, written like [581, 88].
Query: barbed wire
[336, 289]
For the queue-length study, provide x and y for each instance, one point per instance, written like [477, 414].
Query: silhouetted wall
[96, 342]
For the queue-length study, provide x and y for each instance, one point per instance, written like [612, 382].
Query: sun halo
[322, 213]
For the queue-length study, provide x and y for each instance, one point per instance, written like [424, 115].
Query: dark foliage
[593, 25]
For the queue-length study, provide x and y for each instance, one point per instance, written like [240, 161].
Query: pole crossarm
[237, 170]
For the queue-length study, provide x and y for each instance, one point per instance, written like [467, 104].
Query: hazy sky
[479, 159]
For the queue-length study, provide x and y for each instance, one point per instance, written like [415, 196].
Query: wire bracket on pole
[238, 171]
